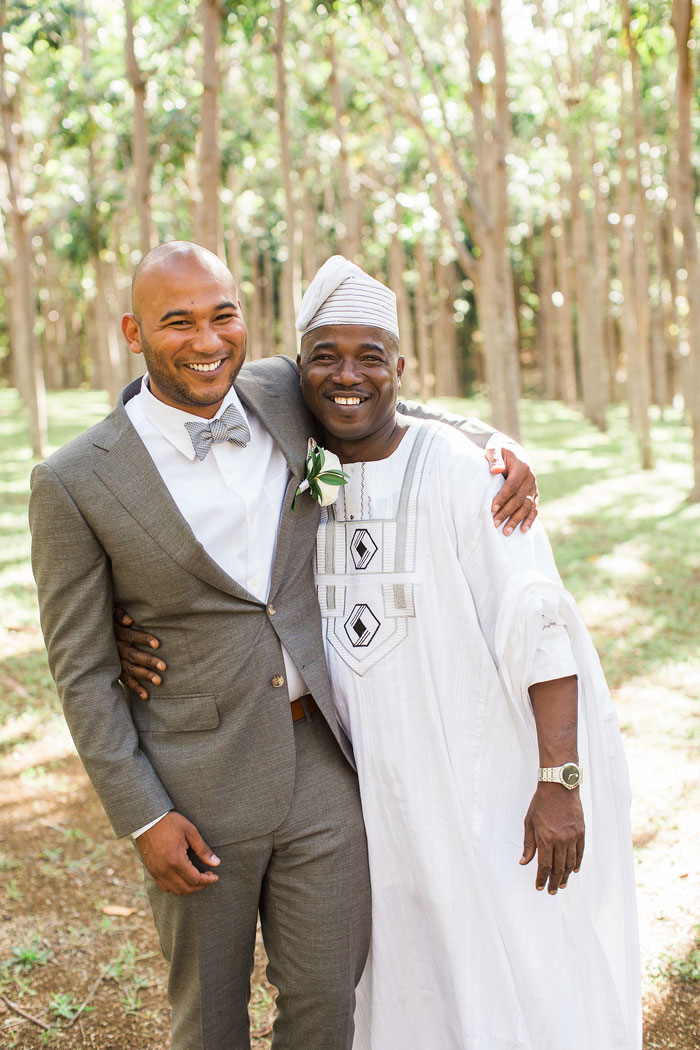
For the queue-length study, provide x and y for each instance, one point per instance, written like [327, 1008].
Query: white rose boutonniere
[324, 475]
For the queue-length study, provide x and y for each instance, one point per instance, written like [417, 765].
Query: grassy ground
[628, 547]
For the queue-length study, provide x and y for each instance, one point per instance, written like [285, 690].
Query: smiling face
[350, 377]
[188, 324]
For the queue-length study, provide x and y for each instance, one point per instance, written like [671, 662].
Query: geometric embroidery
[363, 548]
[361, 626]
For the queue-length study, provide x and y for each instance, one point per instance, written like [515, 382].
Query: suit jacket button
[271, 609]
[276, 681]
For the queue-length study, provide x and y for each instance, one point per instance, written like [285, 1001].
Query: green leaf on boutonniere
[317, 477]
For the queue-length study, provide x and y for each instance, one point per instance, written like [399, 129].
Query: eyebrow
[329, 344]
[188, 313]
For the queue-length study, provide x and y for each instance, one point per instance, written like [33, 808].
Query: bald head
[168, 262]
[187, 323]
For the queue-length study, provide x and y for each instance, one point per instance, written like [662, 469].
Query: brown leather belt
[297, 706]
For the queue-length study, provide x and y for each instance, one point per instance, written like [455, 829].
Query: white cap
[342, 293]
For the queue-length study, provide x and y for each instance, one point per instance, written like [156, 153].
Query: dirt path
[61, 868]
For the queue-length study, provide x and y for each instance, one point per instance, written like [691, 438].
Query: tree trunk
[26, 359]
[309, 220]
[232, 238]
[669, 291]
[601, 250]
[635, 324]
[682, 21]
[426, 385]
[546, 334]
[493, 284]
[590, 331]
[108, 344]
[660, 372]
[271, 345]
[139, 138]
[481, 203]
[349, 227]
[566, 370]
[256, 337]
[208, 219]
[288, 309]
[396, 266]
[445, 341]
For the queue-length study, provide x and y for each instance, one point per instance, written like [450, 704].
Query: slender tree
[682, 21]
[23, 310]
[139, 137]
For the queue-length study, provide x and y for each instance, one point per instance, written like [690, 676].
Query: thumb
[529, 847]
[200, 848]
[494, 457]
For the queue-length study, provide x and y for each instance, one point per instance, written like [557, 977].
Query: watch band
[569, 775]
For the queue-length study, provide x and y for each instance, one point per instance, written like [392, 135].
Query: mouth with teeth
[211, 367]
[339, 399]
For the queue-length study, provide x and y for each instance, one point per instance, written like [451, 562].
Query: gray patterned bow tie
[230, 426]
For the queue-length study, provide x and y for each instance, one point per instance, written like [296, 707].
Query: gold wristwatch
[570, 775]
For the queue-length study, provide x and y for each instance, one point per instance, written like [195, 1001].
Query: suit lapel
[130, 474]
[284, 416]
[283, 413]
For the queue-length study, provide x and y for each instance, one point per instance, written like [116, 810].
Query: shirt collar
[170, 422]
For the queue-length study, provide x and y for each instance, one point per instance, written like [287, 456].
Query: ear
[299, 361]
[132, 333]
[400, 365]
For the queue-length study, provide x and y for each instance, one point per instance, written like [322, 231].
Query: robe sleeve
[492, 561]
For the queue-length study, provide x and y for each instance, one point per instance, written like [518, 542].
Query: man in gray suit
[178, 506]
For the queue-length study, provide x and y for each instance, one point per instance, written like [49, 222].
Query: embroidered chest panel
[365, 567]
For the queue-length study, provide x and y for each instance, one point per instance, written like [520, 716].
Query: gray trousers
[309, 880]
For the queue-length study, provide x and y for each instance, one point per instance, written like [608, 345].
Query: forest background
[525, 177]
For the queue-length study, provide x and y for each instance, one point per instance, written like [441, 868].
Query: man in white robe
[459, 667]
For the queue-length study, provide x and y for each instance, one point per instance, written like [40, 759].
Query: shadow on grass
[649, 566]
[675, 1021]
[27, 684]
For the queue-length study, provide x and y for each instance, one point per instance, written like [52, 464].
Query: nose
[205, 339]
[348, 372]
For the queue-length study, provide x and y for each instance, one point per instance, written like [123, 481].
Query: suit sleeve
[74, 585]
[477, 432]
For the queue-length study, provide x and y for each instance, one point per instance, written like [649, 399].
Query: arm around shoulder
[477, 432]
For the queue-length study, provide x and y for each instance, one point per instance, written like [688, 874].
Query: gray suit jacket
[216, 740]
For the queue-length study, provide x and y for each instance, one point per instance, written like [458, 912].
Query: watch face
[570, 775]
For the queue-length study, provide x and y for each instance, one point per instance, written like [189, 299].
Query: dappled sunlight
[626, 491]
[627, 562]
[35, 744]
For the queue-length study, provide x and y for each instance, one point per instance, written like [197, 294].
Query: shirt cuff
[146, 827]
[553, 657]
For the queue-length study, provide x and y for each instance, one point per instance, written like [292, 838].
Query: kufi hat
[342, 293]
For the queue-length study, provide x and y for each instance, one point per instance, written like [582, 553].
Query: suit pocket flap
[176, 714]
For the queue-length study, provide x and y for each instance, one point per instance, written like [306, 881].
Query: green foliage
[685, 968]
[124, 963]
[42, 25]
[13, 891]
[26, 957]
[61, 1004]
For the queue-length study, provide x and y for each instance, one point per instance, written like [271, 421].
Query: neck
[378, 445]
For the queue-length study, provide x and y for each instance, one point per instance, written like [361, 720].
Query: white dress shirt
[232, 499]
